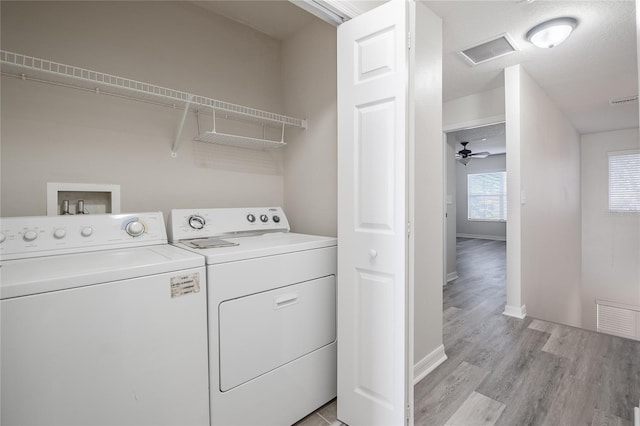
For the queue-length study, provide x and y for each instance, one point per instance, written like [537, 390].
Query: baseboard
[429, 363]
[516, 312]
[482, 237]
[452, 276]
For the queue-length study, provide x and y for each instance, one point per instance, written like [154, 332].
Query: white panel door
[372, 217]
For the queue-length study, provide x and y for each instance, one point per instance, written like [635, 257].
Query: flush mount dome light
[551, 33]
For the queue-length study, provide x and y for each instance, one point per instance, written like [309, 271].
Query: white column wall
[427, 225]
[544, 150]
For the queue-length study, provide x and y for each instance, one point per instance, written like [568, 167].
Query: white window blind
[624, 181]
[487, 196]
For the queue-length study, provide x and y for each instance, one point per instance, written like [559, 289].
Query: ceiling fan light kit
[465, 154]
[551, 33]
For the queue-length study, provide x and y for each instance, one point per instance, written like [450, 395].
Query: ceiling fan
[465, 154]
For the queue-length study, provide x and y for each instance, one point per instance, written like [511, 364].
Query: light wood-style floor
[505, 371]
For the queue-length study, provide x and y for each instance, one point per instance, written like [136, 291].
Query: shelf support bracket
[177, 141]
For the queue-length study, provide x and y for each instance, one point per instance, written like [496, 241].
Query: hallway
[506, 371]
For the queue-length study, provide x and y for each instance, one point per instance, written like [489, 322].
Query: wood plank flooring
[506, 371]
[532, 372]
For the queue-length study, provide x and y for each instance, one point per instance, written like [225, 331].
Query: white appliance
[103, 323]
[272, 313]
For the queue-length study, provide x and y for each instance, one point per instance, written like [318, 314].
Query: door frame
[481, 122]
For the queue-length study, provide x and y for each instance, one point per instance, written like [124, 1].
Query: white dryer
[272, 313]
[103, 323]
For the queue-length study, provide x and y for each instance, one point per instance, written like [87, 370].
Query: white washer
[272, 313]
[103, 323]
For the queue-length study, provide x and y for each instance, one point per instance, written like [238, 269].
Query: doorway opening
[475, 242]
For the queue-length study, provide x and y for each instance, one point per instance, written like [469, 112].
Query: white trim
[516, 312]
[452, 276]
[482, 237]
[481, 122]
[429, 363]
[321, 10]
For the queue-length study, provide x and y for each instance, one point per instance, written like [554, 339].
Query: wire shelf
[239, 141]
[27, 67]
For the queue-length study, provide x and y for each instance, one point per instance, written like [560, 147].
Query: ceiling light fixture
[551, 33]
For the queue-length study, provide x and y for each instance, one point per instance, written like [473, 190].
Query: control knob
[59, 234]
[276, 218]
[251, 218]
[264, 218]
[135, 228]
[196, 222]
[30, 235]
[86, 231]
[2, 237]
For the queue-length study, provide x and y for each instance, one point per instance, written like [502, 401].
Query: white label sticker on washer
[185, 284]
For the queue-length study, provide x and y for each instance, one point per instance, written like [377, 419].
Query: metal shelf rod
[177, 141]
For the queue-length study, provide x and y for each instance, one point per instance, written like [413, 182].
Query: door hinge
[407, 414]
[408, 229]
[409, 40]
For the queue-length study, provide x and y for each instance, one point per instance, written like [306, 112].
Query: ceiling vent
[624, 101]
[488, 50]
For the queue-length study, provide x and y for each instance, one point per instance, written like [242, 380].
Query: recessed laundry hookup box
[82, 198]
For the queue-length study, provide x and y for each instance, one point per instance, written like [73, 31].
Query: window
[624, 181]
[487, 196]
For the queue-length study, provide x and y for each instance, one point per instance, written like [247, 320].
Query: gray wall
[310, 159]
[57, 134]
[474, 228]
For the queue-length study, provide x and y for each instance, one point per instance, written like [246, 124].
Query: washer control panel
[187, 224]
[23, 237]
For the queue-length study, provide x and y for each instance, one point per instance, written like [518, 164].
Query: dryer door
[263, 331]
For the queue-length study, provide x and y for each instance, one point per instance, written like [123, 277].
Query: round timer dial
[135, 228]
[196, 222]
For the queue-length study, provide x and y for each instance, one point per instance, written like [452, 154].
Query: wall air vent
[488, 50]
[618, 319]
[624, 101]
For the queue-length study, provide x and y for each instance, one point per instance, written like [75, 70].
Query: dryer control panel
[187, 224]
[24, 237]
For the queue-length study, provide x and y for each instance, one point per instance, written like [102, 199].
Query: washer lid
[44, 274]
[262, 245]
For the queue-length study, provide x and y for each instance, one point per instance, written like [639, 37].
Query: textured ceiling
[488, 138]
[279, 19]
[596, 64]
